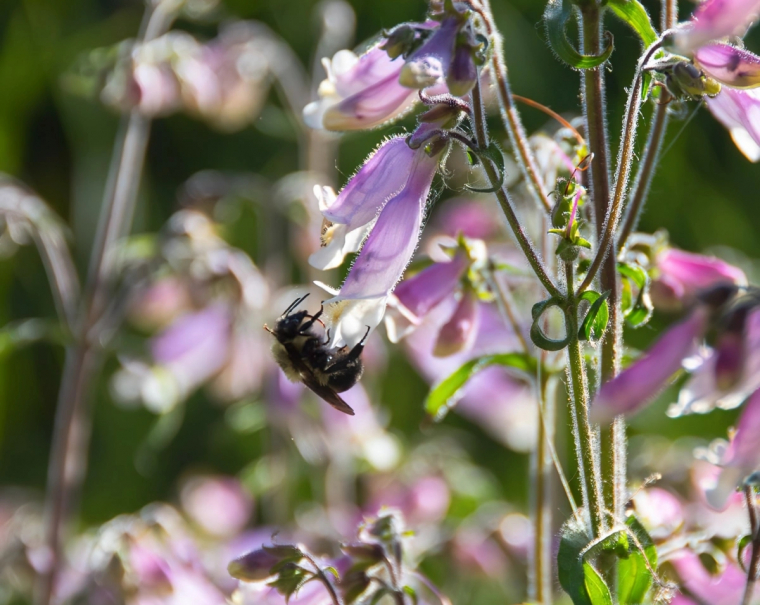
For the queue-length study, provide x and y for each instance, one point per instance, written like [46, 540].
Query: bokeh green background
[705, 194]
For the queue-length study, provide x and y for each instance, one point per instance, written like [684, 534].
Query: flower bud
[459, 332]
[253, 566]
[399, 41]
[463, 73]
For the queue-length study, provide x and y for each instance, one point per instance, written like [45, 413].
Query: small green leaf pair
[636, 559]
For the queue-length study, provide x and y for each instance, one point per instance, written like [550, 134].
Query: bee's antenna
[295, 303]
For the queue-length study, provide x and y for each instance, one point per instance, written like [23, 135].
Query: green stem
[593, 89]
[510, 116]
[504, 201]
[583, 434]
[71, 430]
[754, 565]
[668, 19]
[646, 171]
[540, 586]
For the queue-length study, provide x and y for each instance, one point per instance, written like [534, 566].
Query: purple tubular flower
[742, 457]
[395, 183]
[729, 65]
[703, 392]
[416, 296]
[640, 383]
[359, 92]
[459, 332]
[660, 511]
[384, 173]
[682, 274]
[739, 111]
[715, 19]
[431, 62]
[725, 588]
[463, 73]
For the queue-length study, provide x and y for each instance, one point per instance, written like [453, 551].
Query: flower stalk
[583, 434]
[540, 585]
[754, 523]
[505, 202]
[668, 19]
[71, 430]
[510, 116]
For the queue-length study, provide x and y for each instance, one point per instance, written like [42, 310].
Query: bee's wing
[328, 394]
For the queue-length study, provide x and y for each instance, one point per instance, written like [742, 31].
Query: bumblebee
[305, 357]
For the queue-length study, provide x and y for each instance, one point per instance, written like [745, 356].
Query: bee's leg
[312, 321]
[328, 337]
[350, 357]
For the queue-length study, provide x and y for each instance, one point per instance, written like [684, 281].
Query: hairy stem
[583, 434]
[506, 308]
[594, 108]
[324, 580]
[669, 14]
[540, 585]
[668, 19]
[71, 430]
[754, 565]
[646, 170]
[511, 117]
[478, 122]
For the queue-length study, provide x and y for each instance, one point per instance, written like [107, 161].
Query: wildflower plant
[512, 300]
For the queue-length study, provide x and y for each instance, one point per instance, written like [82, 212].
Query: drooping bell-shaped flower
[359, 92]
[416, 296]
[190, 351]
[723, 588]
[729, 65]
[716, 19]
[739, 111]
[459, 332]
[737, 69]
[389, 196]
[680, 275]
[709, 386]
[448, 54]
[640, 383]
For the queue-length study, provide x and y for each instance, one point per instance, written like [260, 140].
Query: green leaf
[412, 593]
[633, 577]
[635, 273]
[556, 17]
[595, 322]
[636, 312]
[570, 561]
[597, 590]
[447, 393]
[635, 15]
[541, 340]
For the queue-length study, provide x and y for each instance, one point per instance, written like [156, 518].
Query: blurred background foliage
[705, 194]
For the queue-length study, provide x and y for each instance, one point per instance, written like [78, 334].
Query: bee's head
[289, 325]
